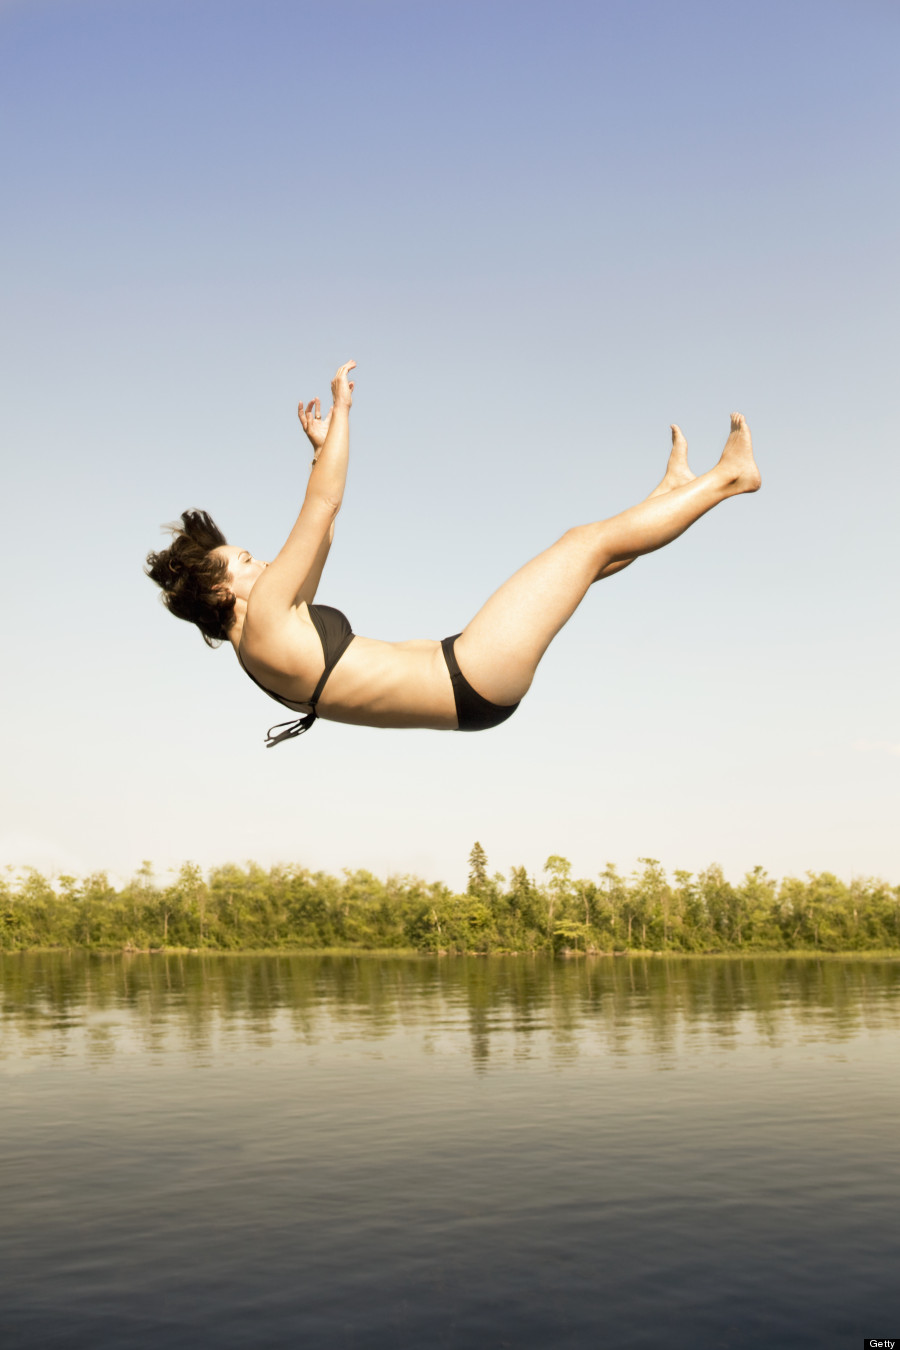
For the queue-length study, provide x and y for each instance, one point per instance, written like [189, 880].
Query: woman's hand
[313, 423]
[311, 419]
[341, 389]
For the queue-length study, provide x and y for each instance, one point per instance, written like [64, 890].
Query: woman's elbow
[327, 502]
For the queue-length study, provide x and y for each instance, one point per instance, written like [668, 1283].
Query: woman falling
[307, 657]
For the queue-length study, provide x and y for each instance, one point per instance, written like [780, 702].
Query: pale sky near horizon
[544, 231]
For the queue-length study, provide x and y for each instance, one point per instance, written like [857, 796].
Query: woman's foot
[737, 460]
[677, 471]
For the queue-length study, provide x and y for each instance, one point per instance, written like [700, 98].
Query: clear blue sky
[544, 231]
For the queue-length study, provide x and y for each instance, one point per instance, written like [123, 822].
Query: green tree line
[250, 908]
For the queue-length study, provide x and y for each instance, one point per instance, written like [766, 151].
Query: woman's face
[243, 569]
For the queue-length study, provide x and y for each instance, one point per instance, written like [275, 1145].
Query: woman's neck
[237, 628]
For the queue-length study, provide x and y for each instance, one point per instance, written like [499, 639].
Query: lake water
[396, 1154]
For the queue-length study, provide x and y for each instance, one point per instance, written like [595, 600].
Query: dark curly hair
[191, 579]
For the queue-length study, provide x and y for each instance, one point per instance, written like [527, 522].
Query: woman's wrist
[340, 416]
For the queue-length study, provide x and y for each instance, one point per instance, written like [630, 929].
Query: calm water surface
[383, 1154]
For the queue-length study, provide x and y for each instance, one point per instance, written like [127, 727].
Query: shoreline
[876, 954]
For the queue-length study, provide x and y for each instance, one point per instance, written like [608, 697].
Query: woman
[307, 657]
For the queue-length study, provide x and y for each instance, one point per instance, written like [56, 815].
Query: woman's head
[194, 575]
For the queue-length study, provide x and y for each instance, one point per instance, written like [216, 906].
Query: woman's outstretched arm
[294, 574]
[329, 472]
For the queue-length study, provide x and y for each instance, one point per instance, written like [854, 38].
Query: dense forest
[250, 908]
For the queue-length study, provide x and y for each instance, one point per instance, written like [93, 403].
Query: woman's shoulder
[285, 643]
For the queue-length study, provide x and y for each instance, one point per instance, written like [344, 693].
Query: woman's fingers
[311, 413]
[341, 389]
[313, 410]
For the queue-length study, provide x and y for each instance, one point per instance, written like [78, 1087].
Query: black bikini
[335, 635]
[473, 713]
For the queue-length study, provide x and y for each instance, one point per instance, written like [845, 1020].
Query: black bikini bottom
[473, 712]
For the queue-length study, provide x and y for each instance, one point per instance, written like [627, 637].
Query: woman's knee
[580, 537]
[583, 548]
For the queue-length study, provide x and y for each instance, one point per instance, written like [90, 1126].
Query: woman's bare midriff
[374, 684]
[391, 684]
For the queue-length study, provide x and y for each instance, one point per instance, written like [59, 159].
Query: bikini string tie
[291, 729]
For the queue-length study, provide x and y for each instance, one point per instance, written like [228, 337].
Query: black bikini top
[335, 634]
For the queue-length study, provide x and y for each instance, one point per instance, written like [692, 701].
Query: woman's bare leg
[499, 650]
[678, 473]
